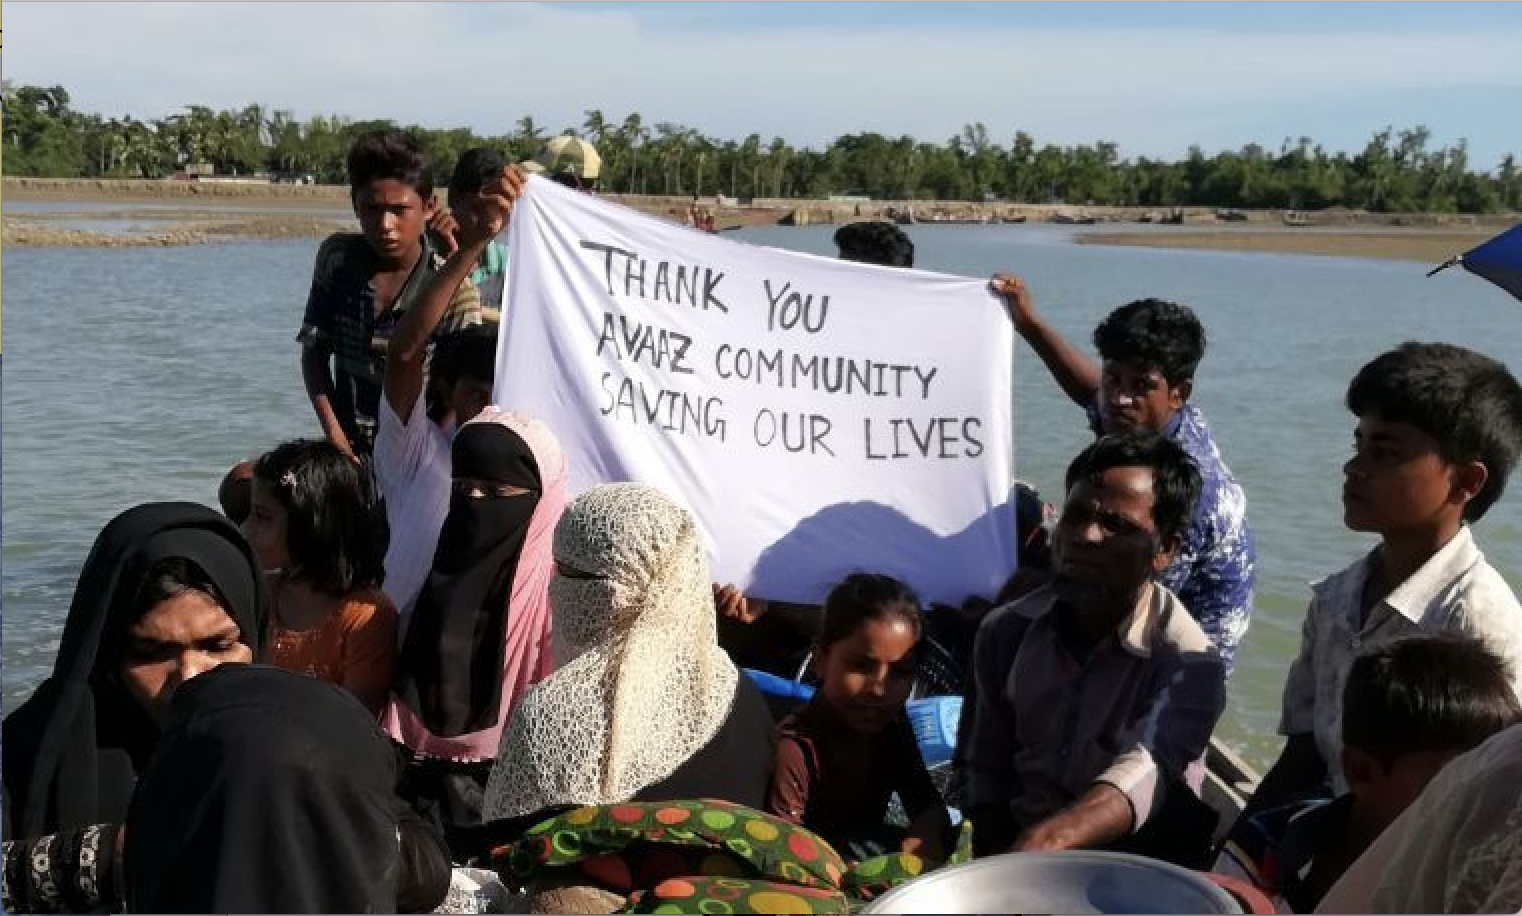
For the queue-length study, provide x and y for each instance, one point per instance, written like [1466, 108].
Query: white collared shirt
[1455, 592]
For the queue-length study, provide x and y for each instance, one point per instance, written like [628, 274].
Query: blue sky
[1154, 78]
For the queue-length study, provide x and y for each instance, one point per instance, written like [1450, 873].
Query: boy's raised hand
[493, 207]
[444, 227]
[1022, 305]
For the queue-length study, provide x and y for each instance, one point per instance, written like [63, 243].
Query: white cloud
[486, 65]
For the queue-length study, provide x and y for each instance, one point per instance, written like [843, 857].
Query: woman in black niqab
[74, 748]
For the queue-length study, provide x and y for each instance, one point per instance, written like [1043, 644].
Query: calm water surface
[143, 374]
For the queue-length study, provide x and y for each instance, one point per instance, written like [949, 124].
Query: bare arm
[1076, 373]
[407, 352]
[318, 379]
[1101, 815]
[925, 833]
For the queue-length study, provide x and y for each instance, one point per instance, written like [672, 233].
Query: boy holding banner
[1149, 350]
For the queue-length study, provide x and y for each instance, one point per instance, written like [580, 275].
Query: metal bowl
[1078, 881]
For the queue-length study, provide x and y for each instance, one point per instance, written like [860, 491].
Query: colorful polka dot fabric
[705, 856]
[871, 878]
[636, 846]
[734, 895]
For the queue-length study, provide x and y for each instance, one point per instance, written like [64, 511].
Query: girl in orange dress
[320, 532]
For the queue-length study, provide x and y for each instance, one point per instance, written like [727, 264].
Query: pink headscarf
[527, 659]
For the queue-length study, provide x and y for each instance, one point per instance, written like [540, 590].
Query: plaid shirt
[341, 319]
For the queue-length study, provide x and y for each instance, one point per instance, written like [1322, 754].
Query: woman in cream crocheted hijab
[643, 704]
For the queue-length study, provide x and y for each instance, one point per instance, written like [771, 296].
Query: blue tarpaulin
[1498, 260]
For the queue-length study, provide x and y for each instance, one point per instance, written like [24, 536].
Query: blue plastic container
[935, 726]
[934, 719]
[772, 685]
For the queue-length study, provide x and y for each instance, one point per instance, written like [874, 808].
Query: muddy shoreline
[1434, 246]
[194, 213]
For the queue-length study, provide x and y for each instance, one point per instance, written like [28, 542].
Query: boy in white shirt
[1439, 430]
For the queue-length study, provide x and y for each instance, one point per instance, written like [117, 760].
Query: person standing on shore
[362, 284]
[1149, 350]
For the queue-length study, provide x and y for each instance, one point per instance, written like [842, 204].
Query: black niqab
[450, 672]
[269, 792]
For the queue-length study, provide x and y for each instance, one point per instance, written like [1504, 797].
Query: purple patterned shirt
[1216, 566]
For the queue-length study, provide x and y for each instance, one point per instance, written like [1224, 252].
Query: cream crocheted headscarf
[641, 683]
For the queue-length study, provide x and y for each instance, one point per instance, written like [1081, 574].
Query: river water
[144, 373]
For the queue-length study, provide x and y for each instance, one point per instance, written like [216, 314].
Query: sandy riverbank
[168, 230]
[194, 213]
[193, 193]
[190, 213]
[1430, 245]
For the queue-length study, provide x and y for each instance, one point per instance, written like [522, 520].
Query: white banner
[819, 417]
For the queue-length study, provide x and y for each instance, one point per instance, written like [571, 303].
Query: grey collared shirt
[1048, 726]
[1455, 591]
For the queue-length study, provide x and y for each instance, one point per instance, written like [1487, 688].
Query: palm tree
[634, 137]
[669, 150]
[529, 138]
[778, 154]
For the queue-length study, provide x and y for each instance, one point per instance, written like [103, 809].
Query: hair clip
[288, 479]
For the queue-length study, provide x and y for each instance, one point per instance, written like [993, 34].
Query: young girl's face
[867, 675]
[265, 529]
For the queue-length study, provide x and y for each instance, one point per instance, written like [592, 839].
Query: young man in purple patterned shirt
[1149, 350]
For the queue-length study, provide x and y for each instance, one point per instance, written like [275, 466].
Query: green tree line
[1397, 170]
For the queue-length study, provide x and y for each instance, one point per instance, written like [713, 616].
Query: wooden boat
[949, 220]
[1071, 218]
[1229, 782]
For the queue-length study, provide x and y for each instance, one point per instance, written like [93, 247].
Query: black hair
[1155, 333]
[236, 493]
[1426, 693]
[1033, 550]
[861, 597]
[476, 167]
[1470, 403]
[171, 576]
[467, 353]
[1176, 480]
[396, 154]
[335, 526]
[875, 243]
[573, 181]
